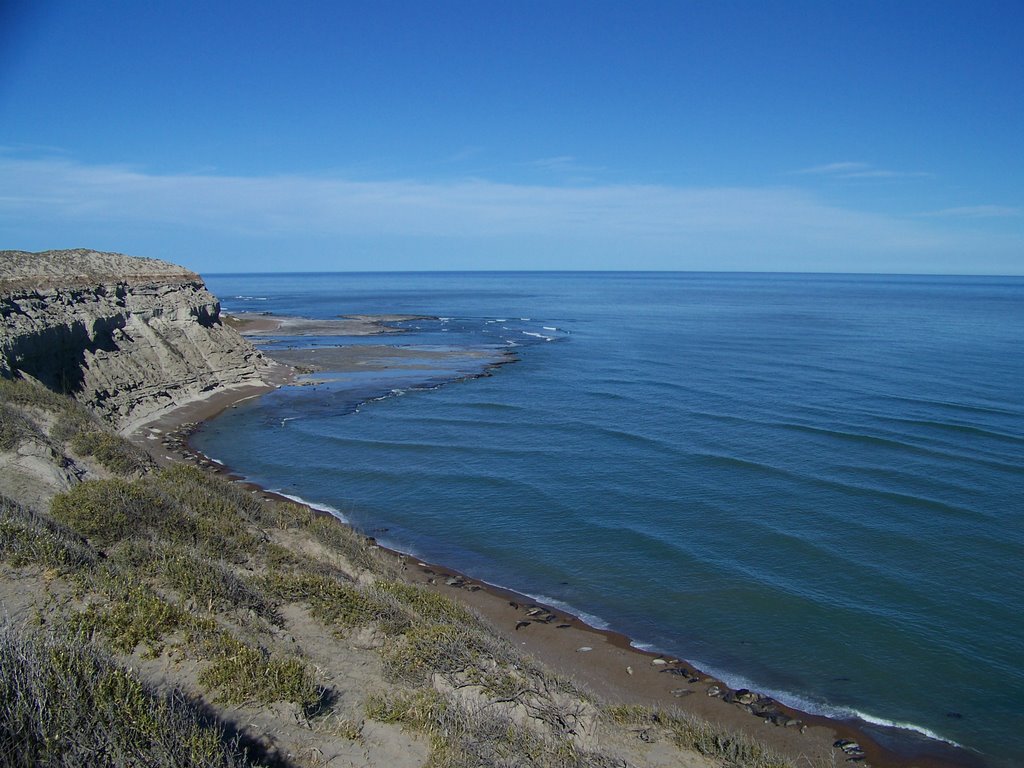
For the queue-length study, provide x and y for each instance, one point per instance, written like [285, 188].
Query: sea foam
[317, 505]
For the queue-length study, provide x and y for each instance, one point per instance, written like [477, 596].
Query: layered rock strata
[128, 337]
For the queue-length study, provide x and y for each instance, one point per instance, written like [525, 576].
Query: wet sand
[611, 667]
[249, 324]
[379, 357]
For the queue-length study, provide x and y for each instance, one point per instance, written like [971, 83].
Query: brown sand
[250, 324]
[611, 668]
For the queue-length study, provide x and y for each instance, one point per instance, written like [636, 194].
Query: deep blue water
[809, 484]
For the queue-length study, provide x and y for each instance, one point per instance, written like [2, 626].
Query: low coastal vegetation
[174, 600]
[66, 701]
[689, 732]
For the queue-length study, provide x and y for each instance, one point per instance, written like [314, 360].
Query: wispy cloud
[65, 189]
[683, 227]
[856, 170]
[977, 212]
[559, 162]
[466, 153]
[567, 167]
[831, 169]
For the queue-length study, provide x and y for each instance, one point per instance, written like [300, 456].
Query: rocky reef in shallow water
[128, 337]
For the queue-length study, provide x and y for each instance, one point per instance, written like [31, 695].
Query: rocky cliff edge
[128, 337]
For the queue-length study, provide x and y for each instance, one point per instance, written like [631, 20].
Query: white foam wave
[317, 505]
[903, 726]
[595, 621]
[537, 335]
[251, 298]
[549, 328]
[734, 681]
[804, 704]
[648, 647]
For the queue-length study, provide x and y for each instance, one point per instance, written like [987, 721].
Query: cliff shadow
[56, 355]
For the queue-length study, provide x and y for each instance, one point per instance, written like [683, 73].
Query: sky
[381, 135]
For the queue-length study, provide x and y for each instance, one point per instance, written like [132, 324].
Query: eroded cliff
[128, 337]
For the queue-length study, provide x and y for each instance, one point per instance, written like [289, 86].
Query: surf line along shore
[602, 661]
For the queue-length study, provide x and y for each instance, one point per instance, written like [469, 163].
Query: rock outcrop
[128, 337]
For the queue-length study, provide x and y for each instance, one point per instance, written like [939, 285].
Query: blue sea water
[811, 485]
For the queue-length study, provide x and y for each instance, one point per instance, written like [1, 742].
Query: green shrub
[225, 538]
[112, 451]
[211, 585]
[278, 558]
[107, 511]
[633, 715]
[133, 614]
[464, 736]
[64, 702]
[241, 673]
[25, 392]
[428, 605]
[340, 538]
[285, 515]
[71, 422]
[732, 749]
[432, 648]
[735, 750]
[337, 603]
[414, 709]
[29, 538]
[207, 494]
[71, 417]
[14, 428]
[135, 555]
[218, 511]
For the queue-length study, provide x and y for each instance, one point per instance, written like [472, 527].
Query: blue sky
[791, 136]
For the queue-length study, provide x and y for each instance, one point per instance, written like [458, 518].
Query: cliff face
[127, 337]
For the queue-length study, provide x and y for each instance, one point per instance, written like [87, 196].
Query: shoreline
[611, 667]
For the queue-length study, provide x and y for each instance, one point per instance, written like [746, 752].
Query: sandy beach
[603, 662]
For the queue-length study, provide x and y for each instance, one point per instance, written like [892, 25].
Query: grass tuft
[731, 749]
[30, 538]
[463, 736]
[35, 395]
[427, 649]
[338, 603]
[107, 511]
[351, 545]
[133, 614]
[241, 673]
[65, 702]
[70, 416]
[430, 606]
[218, 511]
[113, 452]
[15, 428]
[211, 585]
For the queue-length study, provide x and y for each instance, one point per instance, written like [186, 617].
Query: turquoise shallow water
[808, 484]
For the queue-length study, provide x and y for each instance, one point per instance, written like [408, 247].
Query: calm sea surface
[811, 485]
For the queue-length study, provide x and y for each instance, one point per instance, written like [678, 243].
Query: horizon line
[608, 272]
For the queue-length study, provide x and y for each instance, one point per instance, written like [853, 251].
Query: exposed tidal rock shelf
[128, 337]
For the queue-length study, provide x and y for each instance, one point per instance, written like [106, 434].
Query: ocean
[807, 485]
